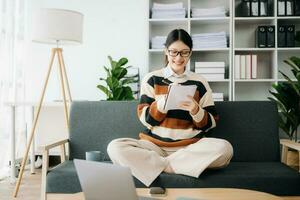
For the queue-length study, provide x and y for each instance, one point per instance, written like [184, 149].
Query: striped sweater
[175, 127]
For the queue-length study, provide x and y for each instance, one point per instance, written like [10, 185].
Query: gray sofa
[250, 126]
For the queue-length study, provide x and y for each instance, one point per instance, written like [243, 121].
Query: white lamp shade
[57, 25]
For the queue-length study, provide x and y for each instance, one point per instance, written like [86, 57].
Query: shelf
[254, 20]
[156, 50]
[167, 21]
[284, 80]
[241, 38]
[210, 20]
[219, 80]
[255, 80]
[195, 50]
[254, 49]
[289, 49]
[288, 17]
[211, 49]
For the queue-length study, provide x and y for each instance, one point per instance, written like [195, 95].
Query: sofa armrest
[45, 165]
[55, 144]
[62, 146]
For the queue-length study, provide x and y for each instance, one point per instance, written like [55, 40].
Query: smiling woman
[174, 140]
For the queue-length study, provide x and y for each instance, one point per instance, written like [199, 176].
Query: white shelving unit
[270, 60]
[240, 32]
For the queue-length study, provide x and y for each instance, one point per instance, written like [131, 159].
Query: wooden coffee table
[197, 193]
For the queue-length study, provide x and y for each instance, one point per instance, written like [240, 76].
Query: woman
[174, 141]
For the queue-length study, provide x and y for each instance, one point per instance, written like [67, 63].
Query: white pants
[147, 160]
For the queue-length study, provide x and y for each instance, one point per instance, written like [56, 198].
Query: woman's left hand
[191, 106]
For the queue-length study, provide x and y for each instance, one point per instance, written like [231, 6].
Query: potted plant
[117, 82]
[287, 98]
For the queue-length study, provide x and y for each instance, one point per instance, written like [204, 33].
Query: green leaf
[112, 83]
[122, 61]
[128, 81]
[107, 71]
[104, 90]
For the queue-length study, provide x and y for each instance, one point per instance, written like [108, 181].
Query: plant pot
[293, 159]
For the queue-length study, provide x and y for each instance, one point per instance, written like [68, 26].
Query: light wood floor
[29, 190]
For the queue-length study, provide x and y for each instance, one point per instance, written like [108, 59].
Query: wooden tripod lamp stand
[54, 26]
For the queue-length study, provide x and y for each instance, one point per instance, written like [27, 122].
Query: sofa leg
[44, 174]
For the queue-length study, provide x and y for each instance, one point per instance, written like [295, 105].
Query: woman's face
[178, 55]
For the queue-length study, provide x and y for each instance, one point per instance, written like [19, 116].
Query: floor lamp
[54, 26]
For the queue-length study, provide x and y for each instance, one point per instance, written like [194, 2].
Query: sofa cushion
[271, 177]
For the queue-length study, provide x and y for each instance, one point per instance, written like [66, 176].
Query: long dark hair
[175, 35]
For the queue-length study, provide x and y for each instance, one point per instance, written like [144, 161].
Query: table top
[196, 193]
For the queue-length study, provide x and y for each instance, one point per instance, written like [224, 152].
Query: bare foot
[169, 169]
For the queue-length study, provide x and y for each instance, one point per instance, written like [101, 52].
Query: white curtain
[12, 88]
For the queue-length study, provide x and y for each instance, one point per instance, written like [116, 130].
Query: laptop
[106, 181]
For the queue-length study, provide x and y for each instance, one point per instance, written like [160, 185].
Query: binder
[270, 36]
[254, 8]
[289, 7]
[290, 35]
[245, 8]
[281, 8]
[297, 8]
[261, 37]
[263, 8]
[281, 36]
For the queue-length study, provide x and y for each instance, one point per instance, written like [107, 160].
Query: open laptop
[106, 181]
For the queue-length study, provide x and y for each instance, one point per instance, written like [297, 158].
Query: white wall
[116, 27]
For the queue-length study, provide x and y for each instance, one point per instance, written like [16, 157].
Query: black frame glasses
[184, 53]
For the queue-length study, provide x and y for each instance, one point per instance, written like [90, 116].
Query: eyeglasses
[174, 53]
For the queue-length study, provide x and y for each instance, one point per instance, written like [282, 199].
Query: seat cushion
[271, 177]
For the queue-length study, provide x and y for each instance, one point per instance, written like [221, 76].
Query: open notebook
[178, 93]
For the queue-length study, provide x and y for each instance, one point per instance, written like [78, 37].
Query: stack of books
[210, 40]
[245, 66]
[171, 10]
[158, 42]
[218, 96]
[209, 12]
[211, 70]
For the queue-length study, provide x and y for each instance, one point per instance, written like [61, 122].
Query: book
[237, 66]
[243, 67]
[213, 76]
[178, 93]
[254, 66]
[209, 64]
[209, 70]
[248, 66]
[217, 95]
